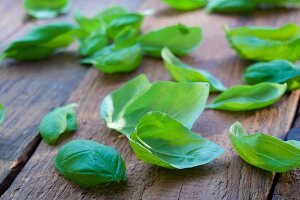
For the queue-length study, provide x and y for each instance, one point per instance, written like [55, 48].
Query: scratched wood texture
[228, 177]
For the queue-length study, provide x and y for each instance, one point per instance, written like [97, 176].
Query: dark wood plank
[227, 177]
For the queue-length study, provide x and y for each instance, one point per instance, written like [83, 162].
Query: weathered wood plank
[227, 177]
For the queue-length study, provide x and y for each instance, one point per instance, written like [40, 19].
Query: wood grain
[228, 177]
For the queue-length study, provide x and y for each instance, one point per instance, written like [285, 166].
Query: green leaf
[89, 164]
[183, 40]
[92, 44]
[59, 121]
[185, 4]
[183, 73]
[277, 71]
[2, 113]
[246, 97]
[88, 25]
[265, 43]
[161, 140]
[45, 9]
[123, 56]
[265, 151]
[184, 101]
[231, 6]
[41, 42]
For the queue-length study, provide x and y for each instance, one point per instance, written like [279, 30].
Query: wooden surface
[31, 89]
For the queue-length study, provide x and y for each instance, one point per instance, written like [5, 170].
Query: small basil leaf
[185, 4]
[277, 71]
[122, 56]
[265, 43]
[265, 151]
[88, 25]
[161, 140]
[184, 40]
[122, 113]
[92, 43]
[246, 97]
[46, 8]
[2, 113]
[57, 122]
[230, 6]
[183, 73]
[89, 164]
[41, 42]
[112, 13]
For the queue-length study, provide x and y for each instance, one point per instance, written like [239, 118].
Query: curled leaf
[183, 73]
[246, 97]
[265, 151]
[59, 121]
[184, 40]
[122, 109]
[185, 4]
[161, 140]
[88, 163]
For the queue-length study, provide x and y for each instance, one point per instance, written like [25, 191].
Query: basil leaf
[184, 40]
[161, 140]
[92, 44]
[265, 43]
[88, 25]
[183, 73]
[2, 113]
[40, 42]
[88, 163]
[46, 8]
[231, 6]
[277, 71]
[185, 4]
[265, 151]
[123, 56]
[122, 109]
[112, 13]
[59, 121]
[246, 97]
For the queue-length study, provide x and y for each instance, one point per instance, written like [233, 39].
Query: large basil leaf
[46, 8]
[183, 73]
[184, 101]
[2, 113]
[40, 42]
[277, 71]
[185, 4]
[265, 43]
[59, 121]
[123, 56]
[180, 39]
[246, 97]
[265, 151]
[88, 163]
[161, 140]
[231, 6]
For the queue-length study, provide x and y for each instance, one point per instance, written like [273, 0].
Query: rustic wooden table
[31, 89]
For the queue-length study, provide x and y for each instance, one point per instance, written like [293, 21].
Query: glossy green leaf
[246, 97]
[277, 71]
[184, 101]
[266, 43]
[59, 121]
[41, 42]
[92, 44]
[123, 56]
[2, 113]
[89, 164]
[161, 140]
[185, 4]
[180, 39]
[183, 73]
[88, 25]
[265, 151]
[46, 8]
[231, 6]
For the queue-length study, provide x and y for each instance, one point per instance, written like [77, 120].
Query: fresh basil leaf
[265, 151]
[184, 101]
[59, 121]
[88, 25]
[89, 164]
[277, 71]
[265, 43]
[46, 8]
[231, 6]
[246, 97]
[112, 13]
[123, 56]
[92, 44]
[40, 42]
[185, 4]
[161, 140]
[184, 40]
[183, 73]
[2, 113]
